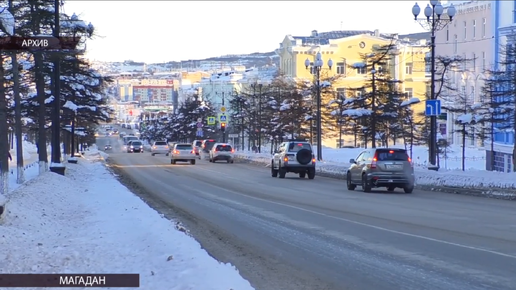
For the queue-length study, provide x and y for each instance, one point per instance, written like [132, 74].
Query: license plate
[394, 166]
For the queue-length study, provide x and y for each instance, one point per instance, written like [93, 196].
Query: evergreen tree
[191, 110]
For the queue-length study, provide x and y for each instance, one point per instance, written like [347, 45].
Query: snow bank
[87, 222]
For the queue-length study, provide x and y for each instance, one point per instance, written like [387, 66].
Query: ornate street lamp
[315, 68]
[433, 21]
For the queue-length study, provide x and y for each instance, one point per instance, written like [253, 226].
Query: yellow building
[347, 50]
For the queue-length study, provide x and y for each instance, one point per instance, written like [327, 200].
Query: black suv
[294, 156]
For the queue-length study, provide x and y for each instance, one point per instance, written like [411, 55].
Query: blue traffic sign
[223, 118]
[433, 108]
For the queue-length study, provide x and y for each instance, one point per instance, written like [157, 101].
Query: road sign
[130, 112]
[199, 120]
[433, 108]
[223, 109]
[199, 129]
[212, 120]
[199, 133]
[223, 118]
[199, 125]
[233, 135]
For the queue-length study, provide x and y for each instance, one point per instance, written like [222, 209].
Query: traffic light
[223, 127]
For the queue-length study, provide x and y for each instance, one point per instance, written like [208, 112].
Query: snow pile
[31, 171]
[29, 150]
[54, 222]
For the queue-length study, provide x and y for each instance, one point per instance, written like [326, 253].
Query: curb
[495, 193]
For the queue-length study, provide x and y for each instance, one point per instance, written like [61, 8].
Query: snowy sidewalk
[87, 222]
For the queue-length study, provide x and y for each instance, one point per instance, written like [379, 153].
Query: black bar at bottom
[70, 280]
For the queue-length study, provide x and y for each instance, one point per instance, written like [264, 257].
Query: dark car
[135, 146]
[108, 147]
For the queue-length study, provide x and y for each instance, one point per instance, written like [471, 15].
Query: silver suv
[294, 156]
[381, 167]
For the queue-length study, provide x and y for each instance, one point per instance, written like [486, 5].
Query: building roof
[324, 37]
[416, 36]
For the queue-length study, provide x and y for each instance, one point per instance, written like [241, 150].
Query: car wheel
[172, 161]
[350, 185]
[227, 161]
[192, 162]
[302, 174]
[282, 172]
[391, 188]
[366, 187]
[408, 188]
[274, 172]
[166, 154]
[311, 173]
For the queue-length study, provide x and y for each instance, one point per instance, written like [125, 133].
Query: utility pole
[373, 107]
[260, 119]
[56, 166]
[223, 127]
[20, 173]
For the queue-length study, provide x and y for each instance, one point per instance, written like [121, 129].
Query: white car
[160, 147]
[182, 152]
[222, 151]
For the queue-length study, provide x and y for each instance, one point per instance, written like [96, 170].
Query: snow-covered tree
[189, 112]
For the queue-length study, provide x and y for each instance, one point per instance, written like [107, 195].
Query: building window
[408, 68]
[474, 62]
[362, 70]
[484, 21]
[447, 33]
[341, 93]
[483, 60]
[409, 93]
[341, 68]
[465, 30]
[474, 28]
[455, 44]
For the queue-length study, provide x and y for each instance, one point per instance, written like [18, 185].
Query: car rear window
[183, 147]
[298, 146]
[132, 138]
[392, 155]
[198, 143]
[161, 143]
[209, 144]
[224, 148]
[136, 143]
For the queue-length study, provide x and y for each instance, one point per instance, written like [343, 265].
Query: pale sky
[160, 31]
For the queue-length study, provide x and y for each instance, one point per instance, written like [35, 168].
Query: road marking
[378, 228]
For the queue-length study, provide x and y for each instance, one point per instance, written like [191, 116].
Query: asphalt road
[299, 234]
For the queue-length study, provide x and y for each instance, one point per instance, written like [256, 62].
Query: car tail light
[154, 147]
[193, 151]
[410, 160]
[176, 152]
[232, 150]
[313, 160]
[375, 159]
[285, 159]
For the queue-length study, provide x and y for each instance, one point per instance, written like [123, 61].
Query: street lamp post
[316, 67]
[433, 21]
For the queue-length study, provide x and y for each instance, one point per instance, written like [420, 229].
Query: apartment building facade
[471, 35]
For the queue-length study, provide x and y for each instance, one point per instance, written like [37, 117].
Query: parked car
[381, 167]
[135, 146]
[182, 152]
[222, 151]
[160, 147]
[206, 146]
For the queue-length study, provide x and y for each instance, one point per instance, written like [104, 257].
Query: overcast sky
[158, 31]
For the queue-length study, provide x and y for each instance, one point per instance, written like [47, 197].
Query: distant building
[471, 36]
[346, 48]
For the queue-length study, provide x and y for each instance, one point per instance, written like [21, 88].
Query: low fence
[25, 166]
